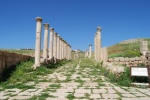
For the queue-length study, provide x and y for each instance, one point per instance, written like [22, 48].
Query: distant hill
[127, 48]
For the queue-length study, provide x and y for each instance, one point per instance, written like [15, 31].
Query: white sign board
[135, 71]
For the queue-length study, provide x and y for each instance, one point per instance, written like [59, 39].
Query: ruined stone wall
[147, 58]
[8, 60]
[126, 61]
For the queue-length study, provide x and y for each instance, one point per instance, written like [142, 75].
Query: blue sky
[74, 20]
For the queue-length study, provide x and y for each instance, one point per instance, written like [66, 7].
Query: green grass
[123, 80]
[70, 96]
[23, 73]
[55, 85]
[19, 51]
[125, 50]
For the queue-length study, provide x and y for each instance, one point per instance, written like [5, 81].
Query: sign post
[140, 71]
[148, 69]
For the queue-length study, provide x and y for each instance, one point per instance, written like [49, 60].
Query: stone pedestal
[38, 42]
[45, 49]
[51, 43]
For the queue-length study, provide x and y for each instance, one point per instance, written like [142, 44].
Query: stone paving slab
[79, 95]
[78, 91]
[91, 86]
[110, 96]
[128, 95]
[19, 97]
[99, 90]
[95, 96]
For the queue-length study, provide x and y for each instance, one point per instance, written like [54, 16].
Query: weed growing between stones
[55, 86]
[122, 80]
[24, 74]
[70, 96]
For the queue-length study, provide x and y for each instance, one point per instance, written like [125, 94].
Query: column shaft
[45, 49]
[38, 42]
[55, 46]
[90, 50]
[62, 49]
[58, 47]
[51, 43]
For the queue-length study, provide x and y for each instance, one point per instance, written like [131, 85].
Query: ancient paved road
[77, 83]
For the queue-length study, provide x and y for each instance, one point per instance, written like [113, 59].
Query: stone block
[78, 91]
[136, 62]
[121, 59]
[126, 59]
[140, 62]
[110, 96]
[110, 59]
[132, 59]
[121, 63]
[137, 58]
[95, 96]
[148, 63]
[116, 59]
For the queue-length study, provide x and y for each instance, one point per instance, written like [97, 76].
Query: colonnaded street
[78, 80]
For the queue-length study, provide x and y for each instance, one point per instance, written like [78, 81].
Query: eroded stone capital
[38, 19]
[51, 29]
[99, 28]
[46, 25]
[55, 33]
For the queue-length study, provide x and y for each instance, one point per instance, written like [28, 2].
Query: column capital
[99, 28]
[55, 33]
[38, 19]
[46, 25]
[90, 45]
[58, 35]
[52, 29]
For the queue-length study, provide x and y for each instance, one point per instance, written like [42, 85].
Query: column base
[36, 65]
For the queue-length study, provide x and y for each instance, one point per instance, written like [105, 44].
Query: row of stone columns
[58, 47]
[100, 54]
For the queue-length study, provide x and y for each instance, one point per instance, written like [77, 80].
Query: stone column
[95, 49]
[143, 47]
[105, 55]
[45, 49]
[62, 49]
[38, 42]
[55, 46]
[51, 43]
[90, 50]
[58, 47]
[99, 42]
[97, 53]
[68, 52]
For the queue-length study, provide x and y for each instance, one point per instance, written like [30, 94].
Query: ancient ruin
[59, 49]
[38, 42]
